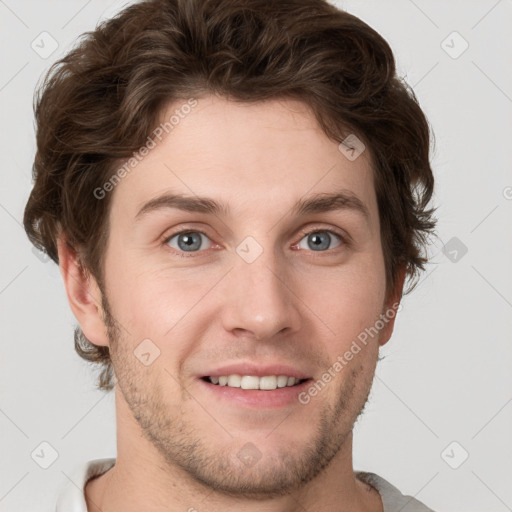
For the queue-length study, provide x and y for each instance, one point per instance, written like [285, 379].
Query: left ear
[391, 308]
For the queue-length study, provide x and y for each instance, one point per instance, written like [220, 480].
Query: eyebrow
[319, 203]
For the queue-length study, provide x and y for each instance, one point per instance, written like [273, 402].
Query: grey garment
[72, 499]
[392, 499]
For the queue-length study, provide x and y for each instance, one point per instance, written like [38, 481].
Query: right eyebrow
[182, 202]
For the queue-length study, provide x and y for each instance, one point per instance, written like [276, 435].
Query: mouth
[255, 385]
[254, 392]
[253, 382]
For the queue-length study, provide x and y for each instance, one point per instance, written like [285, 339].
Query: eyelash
[304, 233]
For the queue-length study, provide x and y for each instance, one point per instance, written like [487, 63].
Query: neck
[141, 480]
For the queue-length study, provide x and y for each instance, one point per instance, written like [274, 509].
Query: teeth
[249, 382]
[268, 382]
[282, 381]
[234, 381]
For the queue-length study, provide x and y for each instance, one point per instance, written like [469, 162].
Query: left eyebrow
[320, 203]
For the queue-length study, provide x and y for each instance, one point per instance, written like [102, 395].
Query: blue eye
[191, 241]
[188, 241]
[319, 240]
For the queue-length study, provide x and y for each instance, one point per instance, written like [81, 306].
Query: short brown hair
[97, 105]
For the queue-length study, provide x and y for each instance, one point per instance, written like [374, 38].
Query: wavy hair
[97, 105]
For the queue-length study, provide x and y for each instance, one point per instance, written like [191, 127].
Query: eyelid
[344, 237]
[184, 254]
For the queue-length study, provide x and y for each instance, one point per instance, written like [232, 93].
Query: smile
[266, 382]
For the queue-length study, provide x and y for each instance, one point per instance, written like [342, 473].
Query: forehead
[253, 157]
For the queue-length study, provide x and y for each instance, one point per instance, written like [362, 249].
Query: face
[256, 287]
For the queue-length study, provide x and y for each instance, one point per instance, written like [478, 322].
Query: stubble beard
[216, 467]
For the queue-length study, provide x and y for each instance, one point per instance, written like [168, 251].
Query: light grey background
[447, 375]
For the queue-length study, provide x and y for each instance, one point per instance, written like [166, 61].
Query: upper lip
[257, 370]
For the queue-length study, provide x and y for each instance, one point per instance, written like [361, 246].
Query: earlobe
[391, 309]
[84, 295]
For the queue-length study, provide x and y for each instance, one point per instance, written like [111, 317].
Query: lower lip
[278, 397]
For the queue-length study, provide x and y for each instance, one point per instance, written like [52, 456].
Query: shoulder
[392, 499]
[71, 498]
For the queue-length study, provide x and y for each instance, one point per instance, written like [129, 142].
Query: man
[235, 192]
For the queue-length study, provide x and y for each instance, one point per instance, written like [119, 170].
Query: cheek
[152, 300]
[347, 299]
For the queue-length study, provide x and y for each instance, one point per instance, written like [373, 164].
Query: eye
[186, 241]
[319, 240]
[191, 241]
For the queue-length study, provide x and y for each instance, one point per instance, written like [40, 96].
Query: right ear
[83, 294]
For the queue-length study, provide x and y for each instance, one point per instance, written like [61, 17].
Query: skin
[177, 445]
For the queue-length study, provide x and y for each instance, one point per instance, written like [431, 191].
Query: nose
[259, 299]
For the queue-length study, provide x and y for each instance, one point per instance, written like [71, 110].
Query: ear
[391, 308]
[83, 294]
